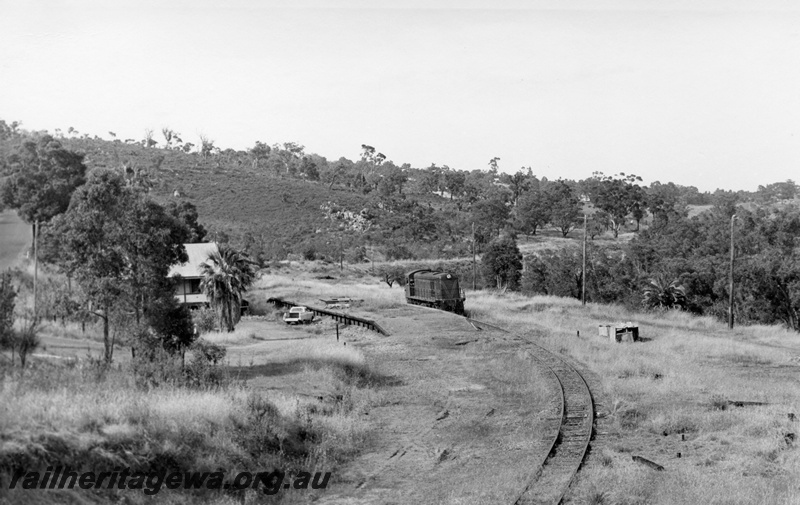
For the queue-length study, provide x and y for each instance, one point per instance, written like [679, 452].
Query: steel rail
[568, 440]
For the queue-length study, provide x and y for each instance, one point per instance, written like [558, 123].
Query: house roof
[198, 253]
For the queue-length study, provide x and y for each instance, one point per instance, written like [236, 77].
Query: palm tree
[660, 294]
[227, 273]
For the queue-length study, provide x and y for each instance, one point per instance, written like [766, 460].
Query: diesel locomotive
[439, 290]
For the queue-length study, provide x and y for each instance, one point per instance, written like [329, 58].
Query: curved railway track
[570, 422]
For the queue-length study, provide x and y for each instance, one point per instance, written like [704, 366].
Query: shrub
[718, 402]
[152, 365]
[210, 352]
[7, 296]
[310, 253]
[172, 322]
[205, 319]
[398, 252]
[659, 294]
[357, 254]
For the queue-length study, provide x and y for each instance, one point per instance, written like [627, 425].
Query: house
[188, 289]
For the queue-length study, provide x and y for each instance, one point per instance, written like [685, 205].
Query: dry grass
[671, 384]
[71, 414]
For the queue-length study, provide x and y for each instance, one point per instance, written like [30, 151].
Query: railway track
[569, 421]
[569, 424]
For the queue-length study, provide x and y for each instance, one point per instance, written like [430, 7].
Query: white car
[297, 315]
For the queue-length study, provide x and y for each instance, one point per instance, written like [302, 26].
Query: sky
[701, 93]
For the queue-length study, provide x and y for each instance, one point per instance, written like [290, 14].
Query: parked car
[298, 315]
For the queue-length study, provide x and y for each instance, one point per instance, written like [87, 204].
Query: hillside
[269, 215]
[279, 216]
[663, 245]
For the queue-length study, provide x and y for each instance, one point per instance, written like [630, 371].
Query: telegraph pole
[730, 288]
[473, 256]
[35, 263]
[583, 270]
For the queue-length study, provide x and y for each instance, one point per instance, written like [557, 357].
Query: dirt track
[454, 428]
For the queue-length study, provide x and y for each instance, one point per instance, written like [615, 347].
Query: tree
[173, 323]
[490, 217]
[618, 196]
[493, 166]
[391, 274]
[777, 191]
[148, 138]
[118, 245]
[42, 179]
[725, 203]
[555, 273]
[565, 208]
[9, 131]
[259, 152]
[335, 171]
[309, 166]
[206, 146]
[664, 203]
[227, 273]
[431, 179]
[454, 182]
[367, 152]
[186, 212]
[502, 263]
[392, 180]
[532, 212]
[519, 183]
[286, 157]
[169, 135]
[597, 223]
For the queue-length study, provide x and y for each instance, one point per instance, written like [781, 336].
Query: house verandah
[187, 290]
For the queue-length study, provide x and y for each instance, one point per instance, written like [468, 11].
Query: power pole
[35, 264]
[730, 289]
[583, 269]
[473, 257]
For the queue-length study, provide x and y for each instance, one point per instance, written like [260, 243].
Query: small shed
[620, 332]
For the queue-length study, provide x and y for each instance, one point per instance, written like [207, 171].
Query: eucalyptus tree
[42, 177]
[118, 245]
[565, 207]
